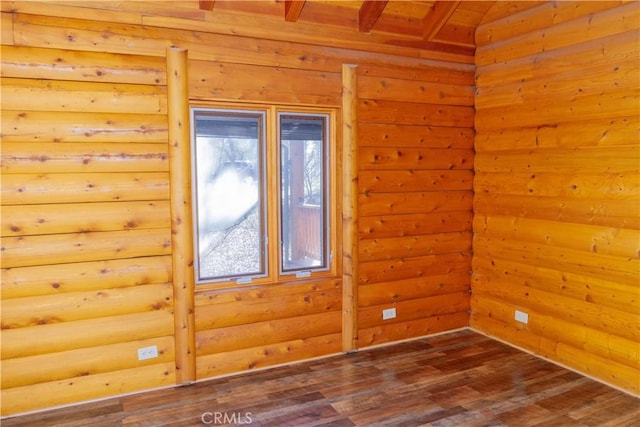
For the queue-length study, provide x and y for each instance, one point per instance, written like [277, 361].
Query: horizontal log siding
[85, 229]
[415, 195]
[85, 175]
[556, 226]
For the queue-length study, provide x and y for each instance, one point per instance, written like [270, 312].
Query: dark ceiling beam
[369, 13]
[207, 4]
[292, 9]
[437, 17]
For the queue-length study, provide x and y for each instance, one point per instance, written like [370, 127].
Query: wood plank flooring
[456, 379]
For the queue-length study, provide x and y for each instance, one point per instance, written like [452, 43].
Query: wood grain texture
[454, 379]
[350, 215]
[86, 239]
[415, 184]
[556, 185]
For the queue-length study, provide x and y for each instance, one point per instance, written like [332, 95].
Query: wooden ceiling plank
[292, 9]
[207, 4]
[369, 13]
[437, 17]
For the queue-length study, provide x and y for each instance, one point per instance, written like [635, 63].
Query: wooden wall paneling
[71, 306]
[268, 332]
[422, 202]
[375, 111]
[568, 160]
[538, 113]
[181, 213]
[88, 276]
[414, 91]
[596, 211]
[62, 9]
[57, 393]
[61, 157]
[618, 349]
[417, 308]
[80, 66]
[18, 126]
[568, 135]
[86, 237]
[70, 96]
[257, 293]
[560, 337]
[261, 309]
[581, 287]
[218, 364]
[424, 71]
[397, 247]
[19, 372]
[415, 198]
[409, 158]
[31, 189]
[55, 337]
[405, 268]
[621, 186]
[415, 180]
[233, 82]
[20, 220]
[311, 33]
[226, 320]
[389, 135]
[622, 269]
[350, 217]
[390, 225]
[532, 89]
[587, 238]
[543, 15]
[612, 20]
[262, 27]
[556, 188]
[617, 47]
[562, 308]
[6, 28]
[253, 328]
[390, 332]
[82, 35]
[500, 9]
[136, 43]
[596, 366]
[400, 290]
[23, 251]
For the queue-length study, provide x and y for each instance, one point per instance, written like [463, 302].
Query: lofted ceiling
[443, 26]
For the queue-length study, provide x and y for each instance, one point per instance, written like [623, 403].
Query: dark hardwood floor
[456, 379]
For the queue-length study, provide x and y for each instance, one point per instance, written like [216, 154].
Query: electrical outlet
[388, 313]
[150, 352]
[522, 317]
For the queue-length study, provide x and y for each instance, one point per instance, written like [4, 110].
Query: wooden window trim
[275, 277]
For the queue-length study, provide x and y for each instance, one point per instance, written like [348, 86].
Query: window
[261, 176]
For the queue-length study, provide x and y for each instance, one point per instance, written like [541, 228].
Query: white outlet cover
[388, 313]
[522, 317]
[150, 352]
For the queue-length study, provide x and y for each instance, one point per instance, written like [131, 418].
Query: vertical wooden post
[181, 214]
[349, 208]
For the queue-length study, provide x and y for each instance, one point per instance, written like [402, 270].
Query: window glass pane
[229, 193]
[303, 192]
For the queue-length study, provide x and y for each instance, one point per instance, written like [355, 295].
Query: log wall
[557, 185]
[89, 247]
[415, 177]
[86, 237]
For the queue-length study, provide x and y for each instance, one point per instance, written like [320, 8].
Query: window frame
[326, 199]
[271, 170]
[263, 204]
